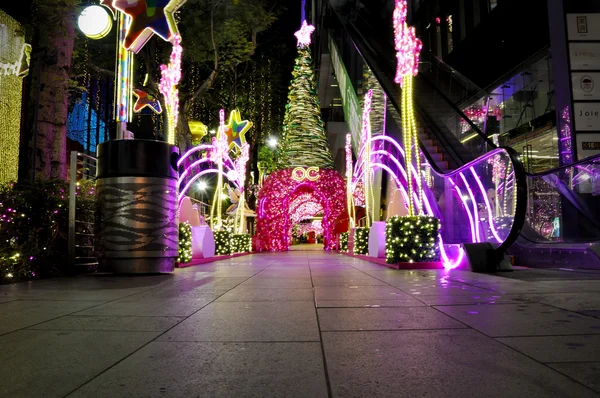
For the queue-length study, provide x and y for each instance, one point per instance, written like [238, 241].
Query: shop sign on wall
[588, 144]
[583, 26]
[584, 56]
[586, 85]
[587, 116]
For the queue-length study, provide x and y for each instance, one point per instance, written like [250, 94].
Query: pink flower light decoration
[408, 45]
[280, 190]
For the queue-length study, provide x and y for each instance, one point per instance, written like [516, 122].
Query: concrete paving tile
[527, 319]
[16, 315]
[196, 287]
[579, 301]
[86, 295]
[5, 299]
[440, 363]
[368, 303]
[110, 323]
[280, 283]
[435, 289]
[339, 272]
[246, 293]
[150, 307]
[53, 363]
[593, 313]
[359, 293]
[346, 281]
[474, 298]
[587, 373]
[250, 321]
[557, 348]
[296, 273]
[551, 287]
[215, 370]
[332, 319]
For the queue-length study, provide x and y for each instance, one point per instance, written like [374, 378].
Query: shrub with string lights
[361, 240]
[412, 239]
[185, 243]
[344, 242]
[222, 242]
[241, 243]
[34, 232]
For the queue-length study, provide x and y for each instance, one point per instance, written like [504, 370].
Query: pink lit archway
[280, 189]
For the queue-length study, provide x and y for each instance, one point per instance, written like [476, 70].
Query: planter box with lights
[412, 239]
[361, 240]
[222, 242]
[241, 243]
[344, 242]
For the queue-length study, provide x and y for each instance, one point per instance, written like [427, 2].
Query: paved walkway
[302, 324]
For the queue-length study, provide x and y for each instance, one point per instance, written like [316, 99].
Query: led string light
[368, 172]
[222, 148]
[170, 77]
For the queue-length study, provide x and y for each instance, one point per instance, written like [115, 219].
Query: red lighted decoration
[280, 190]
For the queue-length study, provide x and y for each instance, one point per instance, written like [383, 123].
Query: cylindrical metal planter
[137, 206]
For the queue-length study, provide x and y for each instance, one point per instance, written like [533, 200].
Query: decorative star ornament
[303, 35]
[145, 100]
[148, 17]
[236, 129]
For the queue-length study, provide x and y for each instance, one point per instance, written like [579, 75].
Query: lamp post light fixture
[95, 22]
[272, 142]
[202, 186]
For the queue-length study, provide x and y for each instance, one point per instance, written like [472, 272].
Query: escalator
[458, 176]
[463, 173]
[478, 190]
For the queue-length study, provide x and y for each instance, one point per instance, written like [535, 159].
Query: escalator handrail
[476, 129]
[561, 168]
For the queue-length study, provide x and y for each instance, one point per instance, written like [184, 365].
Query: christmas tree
[304, 142]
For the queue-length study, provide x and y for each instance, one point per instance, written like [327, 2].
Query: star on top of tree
[148, 17]
[304, 34]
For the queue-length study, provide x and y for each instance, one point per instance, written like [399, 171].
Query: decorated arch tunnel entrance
[287, 196]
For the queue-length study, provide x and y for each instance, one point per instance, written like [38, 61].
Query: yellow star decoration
[236, 129]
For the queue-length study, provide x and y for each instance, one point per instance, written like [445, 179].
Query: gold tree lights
[304, 140]
[14, 63]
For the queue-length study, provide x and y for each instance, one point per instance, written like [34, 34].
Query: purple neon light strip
[199, 162]
[466, 206]
[475, 210]
[487, 205]
[448, 263]
[189, 184]
[192, 150]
